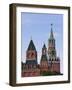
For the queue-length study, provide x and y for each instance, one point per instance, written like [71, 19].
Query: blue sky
[38, 26]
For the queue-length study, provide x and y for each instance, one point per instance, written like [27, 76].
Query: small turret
[44, 50]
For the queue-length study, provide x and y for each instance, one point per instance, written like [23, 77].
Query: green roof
[44, 46]
[31, 46]
[43, 57]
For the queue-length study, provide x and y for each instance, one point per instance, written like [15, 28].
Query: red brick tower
[54, 62]
[44, 60]
[31, 67]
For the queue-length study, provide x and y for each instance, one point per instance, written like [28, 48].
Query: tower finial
[51, 31]
[51, 24]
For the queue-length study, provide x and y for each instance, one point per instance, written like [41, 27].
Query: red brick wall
[44, 66]
[55, 67]
[30, 73]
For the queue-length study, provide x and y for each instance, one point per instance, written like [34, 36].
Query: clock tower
[51, 46]
[31, 54]
[31, 65]
[53, 60]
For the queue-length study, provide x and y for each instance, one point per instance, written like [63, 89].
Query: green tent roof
[44, 46]
[31, 46]
[43, 57]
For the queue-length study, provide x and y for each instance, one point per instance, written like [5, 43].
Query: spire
[44, 53]
[44, 50]
[31, 45]
[51, 45]
[51, 35]
[44, 46]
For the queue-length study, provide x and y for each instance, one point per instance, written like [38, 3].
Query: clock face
[31, 55]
